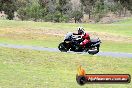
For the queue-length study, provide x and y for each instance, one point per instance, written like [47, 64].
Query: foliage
[35, 12]
[62, 10]
[99, 10]
[22, 13]
[77, 15]
[57, 16]
[48, 17]
[5, 5]
[64, 18]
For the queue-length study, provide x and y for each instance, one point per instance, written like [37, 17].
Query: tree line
[62, 10]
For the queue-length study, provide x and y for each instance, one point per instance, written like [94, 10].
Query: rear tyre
[62, 47]
[95, 51]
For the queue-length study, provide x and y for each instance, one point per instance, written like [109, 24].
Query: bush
[64, 18]
[34, 12]
[100, 10]
[48, 17]
[22, 13]
[57, 16]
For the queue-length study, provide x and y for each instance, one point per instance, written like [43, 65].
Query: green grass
[109, 46]
[115, 29]
[122, 29]
[126, 21]
[30, 69]
[116, 46]
[44, 43]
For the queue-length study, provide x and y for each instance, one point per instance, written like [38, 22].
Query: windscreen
[68, 35]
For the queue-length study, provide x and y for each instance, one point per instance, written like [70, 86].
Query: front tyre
[62, 47]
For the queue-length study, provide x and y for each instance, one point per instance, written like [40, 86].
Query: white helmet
[80, 30]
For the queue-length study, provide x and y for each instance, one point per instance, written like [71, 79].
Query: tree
[64, 6]
[32, 11]
[57, 16]
[22, 13]
[125, 5]
[22, 3]
[9, 7]
[51, 6]
[43, 3]
[56, 10]
[35, 12]
[77, 15]
[22, 8]
[100, 10]
[88, 6]
[130, 5]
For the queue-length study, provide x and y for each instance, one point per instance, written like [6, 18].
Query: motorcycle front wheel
[62, 47]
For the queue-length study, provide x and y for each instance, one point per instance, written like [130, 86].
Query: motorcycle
[71, 43]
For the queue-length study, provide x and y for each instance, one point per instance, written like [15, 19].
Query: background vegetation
[64, 10]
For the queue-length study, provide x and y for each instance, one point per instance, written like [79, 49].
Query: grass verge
[122, 29]
[109, 46]
[115, 37]
[30, 69]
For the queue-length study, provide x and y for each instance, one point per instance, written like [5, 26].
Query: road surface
[112, 54]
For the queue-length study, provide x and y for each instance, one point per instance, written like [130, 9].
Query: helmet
[80, 30]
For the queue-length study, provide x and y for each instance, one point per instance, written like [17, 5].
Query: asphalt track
[112, 54]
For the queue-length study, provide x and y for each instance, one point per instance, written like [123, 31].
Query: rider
[85, 36]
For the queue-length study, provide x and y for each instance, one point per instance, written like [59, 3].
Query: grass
[126, 21]
[30, 69]
[115, 37]
[44, 43]
[105, 45]
[116, 46]
[116, 29]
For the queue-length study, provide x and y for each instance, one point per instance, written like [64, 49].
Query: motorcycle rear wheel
[92, 52]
